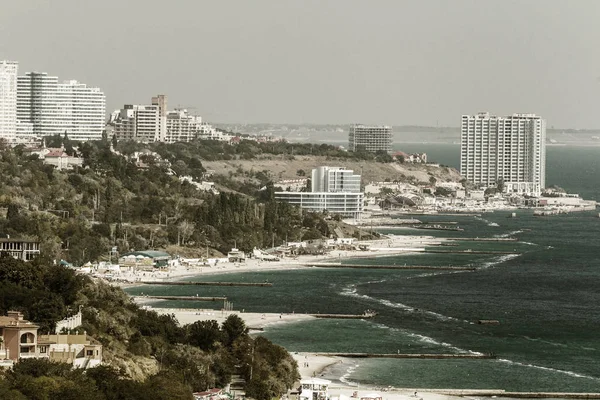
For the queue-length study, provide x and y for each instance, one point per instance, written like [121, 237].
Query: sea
[545, 297]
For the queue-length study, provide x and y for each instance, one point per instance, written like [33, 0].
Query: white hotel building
[511, 149]
[8, 99]
[47, 107]
[334, 189]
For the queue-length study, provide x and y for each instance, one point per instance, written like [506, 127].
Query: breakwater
[410, 267]
[188, 283]
[189, 298]
[344, 316]
[411, 355]
[469, 251]
[485, 239]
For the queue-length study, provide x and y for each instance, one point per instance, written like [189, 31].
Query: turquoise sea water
[546, 298]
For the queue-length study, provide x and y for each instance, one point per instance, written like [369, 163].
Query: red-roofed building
[211, 394]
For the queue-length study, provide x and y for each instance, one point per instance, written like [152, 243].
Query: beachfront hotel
[370, 138]
[333, 189]
[46, 106]
[510, 149]
[8, 99]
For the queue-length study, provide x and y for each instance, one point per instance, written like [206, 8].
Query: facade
[21, 249]
[77, 350]
[160, 101]
[370, 138]
[182, 127]
[8, 99]
[19, 337]
[510, 149]
[333, 189]
[47, 107]
[154, 123]
[140, 123]
[348, 205]
[334, 179]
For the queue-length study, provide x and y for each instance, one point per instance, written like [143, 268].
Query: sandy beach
[389, 246]
[309, 364]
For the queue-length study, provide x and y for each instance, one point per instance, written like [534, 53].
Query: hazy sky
[324, 61]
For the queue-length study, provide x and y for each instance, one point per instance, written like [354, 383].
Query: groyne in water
[410, 355]
[186, 283]
[344, 316]
[469, 251]
[493, 239]
[424, 267]
[189, 298]
[517, 395]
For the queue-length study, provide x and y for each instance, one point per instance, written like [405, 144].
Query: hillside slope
[285, 167]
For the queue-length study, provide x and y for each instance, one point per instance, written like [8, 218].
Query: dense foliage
[80, 214]
[187, 358]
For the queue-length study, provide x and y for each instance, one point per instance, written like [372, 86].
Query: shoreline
[316, 365]
[390, 246]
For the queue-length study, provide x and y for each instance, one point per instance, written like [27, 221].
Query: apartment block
[46, 106]
[511, 149]
[333, 189]
[8, 99]
[370, 138]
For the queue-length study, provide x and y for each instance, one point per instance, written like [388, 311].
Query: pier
[438, 228]
[188, 283]
[413, 267]
[410, 355]
[505, 239]
[345, 316]
[515, 395]
[469, 251]
[188, 298]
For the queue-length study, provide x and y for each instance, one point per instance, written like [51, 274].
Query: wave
[345, 378]
[560, 371]
[352, 291]
[498, 260]
[428, 274]
[508, 234]
[487, 222]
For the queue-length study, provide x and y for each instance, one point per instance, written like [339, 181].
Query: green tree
[204, 334]
[233, 328]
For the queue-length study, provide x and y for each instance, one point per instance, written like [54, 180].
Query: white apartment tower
[511, 149]
[182, 127]
[140, 123]
[46, 106]
[333, 189]
[334, 180]
[370, 138]
[8, 99]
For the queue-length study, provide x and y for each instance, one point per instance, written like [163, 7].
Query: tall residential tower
[8, 99]
[510, 149]
[370, 138]
[47, 107]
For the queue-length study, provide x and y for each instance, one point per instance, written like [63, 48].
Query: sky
[421, 62]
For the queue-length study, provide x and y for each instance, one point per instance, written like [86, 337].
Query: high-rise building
[47, 107]
[8, 99]
[140, 123]
[161, 102]
[333, 189]
[370, 138]
[182, 127]
[334, 180]
[510, 149]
